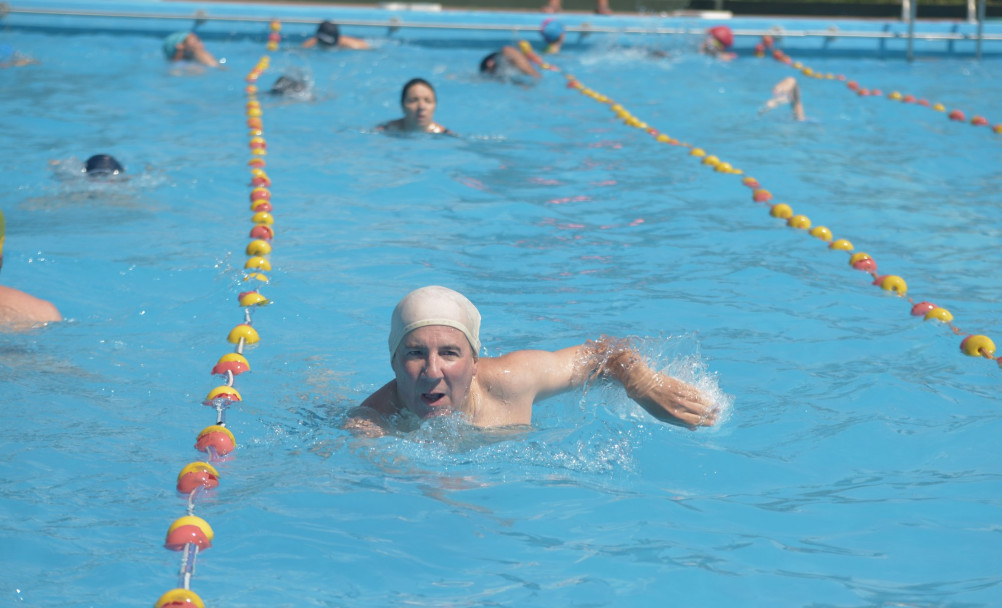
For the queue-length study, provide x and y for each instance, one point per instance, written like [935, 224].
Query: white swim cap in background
[435, 305]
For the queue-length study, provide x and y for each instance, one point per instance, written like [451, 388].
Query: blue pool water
[858, 462]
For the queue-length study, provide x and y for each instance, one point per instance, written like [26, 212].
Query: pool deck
[431, 24]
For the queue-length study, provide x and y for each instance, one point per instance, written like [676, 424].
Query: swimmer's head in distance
[551, 30]
[102, 165]
[328, 34]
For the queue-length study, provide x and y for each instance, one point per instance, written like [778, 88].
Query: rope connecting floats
[974, 345]
[768, 46]
[191, 534]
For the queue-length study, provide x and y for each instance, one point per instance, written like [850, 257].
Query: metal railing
[395, 23]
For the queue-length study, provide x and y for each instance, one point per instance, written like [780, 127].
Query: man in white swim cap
[435, 355]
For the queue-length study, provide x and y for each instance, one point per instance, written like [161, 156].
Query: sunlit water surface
[858, 461]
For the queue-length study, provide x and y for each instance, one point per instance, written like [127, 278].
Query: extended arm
[667, 399]
[529, 376]
[519, 60]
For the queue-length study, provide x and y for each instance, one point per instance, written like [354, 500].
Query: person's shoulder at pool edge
[434, 347]
[418, 101]
[185, 45]
[500, 64]
[19, 310]
[328, 36]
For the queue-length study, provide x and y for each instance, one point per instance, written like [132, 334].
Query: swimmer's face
[419, 106]
[434, 367]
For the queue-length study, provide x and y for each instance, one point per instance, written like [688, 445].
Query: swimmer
[601, 7]
[553, 35]
[718, 40]
[102, 165]
[186, 46]
[418, 102]
[507, 64]
[19, 310]
[786, 91]
[329, 36]
[435, 355]
[293, 85]
[9, 58]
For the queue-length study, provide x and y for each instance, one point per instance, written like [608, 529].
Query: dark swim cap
[328, 33]
[103, 164]
[286, 85]
[489, 64]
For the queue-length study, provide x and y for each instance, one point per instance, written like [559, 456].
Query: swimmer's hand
[365, 422]
[667, 399]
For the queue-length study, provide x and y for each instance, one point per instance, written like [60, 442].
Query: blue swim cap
[551, 30]
[171, 42]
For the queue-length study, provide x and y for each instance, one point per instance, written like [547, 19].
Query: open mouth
[432, 399]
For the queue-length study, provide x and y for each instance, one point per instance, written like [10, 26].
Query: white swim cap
[435, 305]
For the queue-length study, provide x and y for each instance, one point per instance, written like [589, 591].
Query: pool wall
[804, 36]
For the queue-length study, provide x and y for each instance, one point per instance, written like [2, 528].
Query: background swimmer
[507, 64]
[718, 40]
[329, 36]
[102, 165]
[19, 310]
[786, 91]
[186, 46]
[293, 85]
[435, 355]
[418, 101]
[9, 58]
[553, 35]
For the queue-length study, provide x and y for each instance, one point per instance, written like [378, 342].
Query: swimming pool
[858, 464]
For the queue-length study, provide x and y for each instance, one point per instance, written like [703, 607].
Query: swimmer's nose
[433, 366]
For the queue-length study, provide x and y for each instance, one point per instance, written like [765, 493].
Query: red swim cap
[723, 35]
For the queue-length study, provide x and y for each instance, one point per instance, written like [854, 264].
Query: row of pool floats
[767, 46]
[972, 344]
[191, 534]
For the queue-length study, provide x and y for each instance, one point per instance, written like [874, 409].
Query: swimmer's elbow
[364, 421]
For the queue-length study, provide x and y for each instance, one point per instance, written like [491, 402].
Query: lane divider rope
[974, 345]
[767, 46]
[190, 534]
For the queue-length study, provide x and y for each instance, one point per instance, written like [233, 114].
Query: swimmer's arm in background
[19, 309]
[350, 42]
[193, 44]
[309, 43]
[786, 91]
[520, 61]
